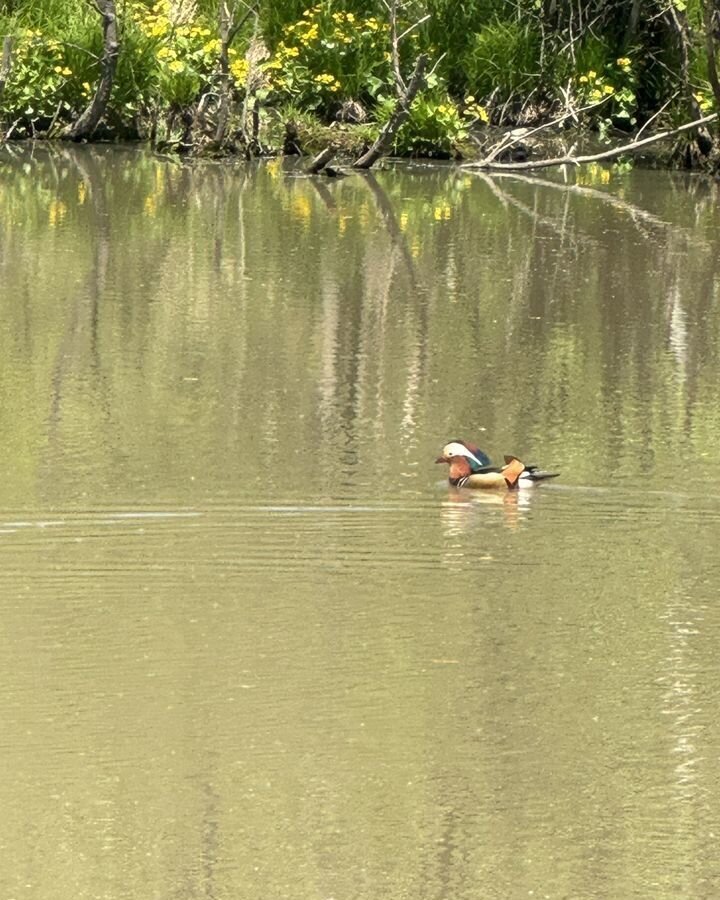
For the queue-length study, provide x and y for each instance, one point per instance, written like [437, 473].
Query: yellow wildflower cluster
[704, 101]
[595, 87]
[154, 22]
[474, 110]
[239, 71]
[328, 81]
[329, 51]
[186, 47]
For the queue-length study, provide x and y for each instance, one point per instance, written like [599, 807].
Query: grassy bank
[291, 72]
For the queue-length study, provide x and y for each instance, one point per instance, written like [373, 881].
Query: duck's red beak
[441, 459]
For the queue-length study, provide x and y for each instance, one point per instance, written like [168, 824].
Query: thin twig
[412, 28]
[658, 113]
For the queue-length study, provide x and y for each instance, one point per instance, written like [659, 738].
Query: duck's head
[456, 451]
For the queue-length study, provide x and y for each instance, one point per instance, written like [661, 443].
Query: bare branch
[505, 144]
[571, 159]
[657, 114]
[400, 113]
[412, 28]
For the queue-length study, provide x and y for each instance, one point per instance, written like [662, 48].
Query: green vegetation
[612, 65]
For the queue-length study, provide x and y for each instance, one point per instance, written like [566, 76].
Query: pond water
[252, 646]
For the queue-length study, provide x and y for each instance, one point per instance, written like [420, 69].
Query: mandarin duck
[471, 468]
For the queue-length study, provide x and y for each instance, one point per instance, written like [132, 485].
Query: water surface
[252, 646]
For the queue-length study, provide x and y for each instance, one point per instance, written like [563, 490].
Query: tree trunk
[225, 24]
[402, 110]
[90, 118]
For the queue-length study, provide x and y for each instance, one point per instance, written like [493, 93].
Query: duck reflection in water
[462, 511]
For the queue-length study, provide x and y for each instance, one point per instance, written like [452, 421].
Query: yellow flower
[583, 79]
[239, 70]
[624, 62]
[86, 87]
[592, 75]
[608, 89]
[166, 53]
[177, 66]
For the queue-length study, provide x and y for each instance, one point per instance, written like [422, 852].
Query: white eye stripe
[456, 449]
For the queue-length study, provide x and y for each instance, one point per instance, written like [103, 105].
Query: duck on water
[471, 468]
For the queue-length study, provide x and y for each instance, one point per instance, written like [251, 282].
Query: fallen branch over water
[488, 164]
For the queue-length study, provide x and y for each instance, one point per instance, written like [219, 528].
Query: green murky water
[251, 647]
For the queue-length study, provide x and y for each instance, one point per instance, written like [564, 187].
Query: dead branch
[402, 110]
[88, 121]
[505, 144]
[405, 93]
[571, 159]
[322, 159]
[395, 50]
[250, 119]
[229, 25]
